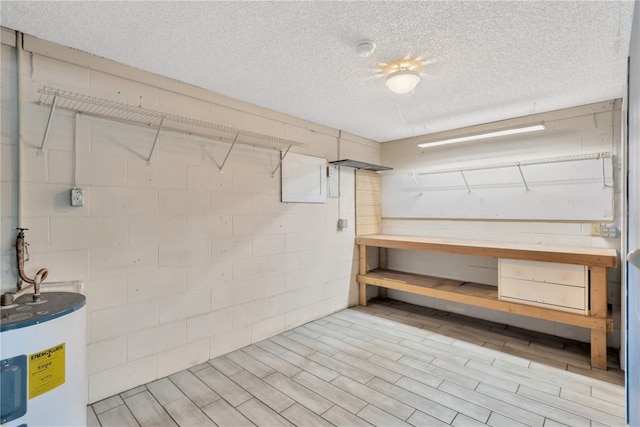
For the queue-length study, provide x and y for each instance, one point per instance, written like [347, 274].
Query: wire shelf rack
[543, 161]
[518, 164]
[105, 108]
[137, 115]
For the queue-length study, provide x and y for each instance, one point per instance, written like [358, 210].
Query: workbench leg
[363, 271]
[382, 292]
[598, 289]
[599, 349]
[363, 294]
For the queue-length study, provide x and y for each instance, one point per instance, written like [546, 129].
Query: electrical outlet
[595, 229]
[609, 230]
[77, 197]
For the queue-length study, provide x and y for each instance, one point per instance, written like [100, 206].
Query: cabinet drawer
[549, 272]
[560, 297]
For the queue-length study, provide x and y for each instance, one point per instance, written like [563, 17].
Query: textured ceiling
[493, 60]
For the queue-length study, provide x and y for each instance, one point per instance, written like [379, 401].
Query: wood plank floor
[388, 364]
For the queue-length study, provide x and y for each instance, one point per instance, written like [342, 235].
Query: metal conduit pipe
[20, 168]
[9, 297]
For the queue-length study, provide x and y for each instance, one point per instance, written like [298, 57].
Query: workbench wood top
[592, 257]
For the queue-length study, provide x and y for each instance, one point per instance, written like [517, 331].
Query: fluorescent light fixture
[403, 81]
[485, 135]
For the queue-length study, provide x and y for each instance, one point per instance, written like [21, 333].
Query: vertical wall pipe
[624, 215]
[20, 166]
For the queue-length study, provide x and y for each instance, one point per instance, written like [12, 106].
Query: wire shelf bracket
[280, 162]
[413, 175]
[54, 102]
[155, 142]
[524, 181]
[137, 115]
[464, 178]
[221, 167]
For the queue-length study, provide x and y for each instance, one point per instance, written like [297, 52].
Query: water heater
[43, 361]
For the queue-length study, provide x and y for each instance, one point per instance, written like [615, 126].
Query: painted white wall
[580, 130]
[180, 263]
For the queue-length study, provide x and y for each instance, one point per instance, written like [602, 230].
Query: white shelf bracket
[228, 153]
[205, 150]
[464, 178]
[413, 175]
[524, 181]
[280, 162]
[46, 130]
[155, 142]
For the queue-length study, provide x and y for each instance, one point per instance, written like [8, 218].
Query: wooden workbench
[595, 259]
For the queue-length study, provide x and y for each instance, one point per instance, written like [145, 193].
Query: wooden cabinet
[562, 287]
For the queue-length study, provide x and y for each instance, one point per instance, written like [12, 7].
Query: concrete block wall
[584, 129]
[180, 263]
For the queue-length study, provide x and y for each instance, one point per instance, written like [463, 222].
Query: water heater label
[46, 370]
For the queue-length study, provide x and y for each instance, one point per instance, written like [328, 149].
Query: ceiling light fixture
[402, 75]
[403, 81]
[484, 135]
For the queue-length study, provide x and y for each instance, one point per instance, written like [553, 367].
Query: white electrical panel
[304, 179]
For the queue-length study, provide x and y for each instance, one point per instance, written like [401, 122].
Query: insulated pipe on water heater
[20, 251]
[9, 297]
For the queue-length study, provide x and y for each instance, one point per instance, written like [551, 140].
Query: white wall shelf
[137, 115]
[573, 187]
[359, 165]
[519, 164]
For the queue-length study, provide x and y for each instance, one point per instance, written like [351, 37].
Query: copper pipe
[42, 273]
[40, 276]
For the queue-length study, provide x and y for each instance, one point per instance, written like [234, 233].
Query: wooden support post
[363, 294]
[598, 290]
[363, 271]
[382, 292]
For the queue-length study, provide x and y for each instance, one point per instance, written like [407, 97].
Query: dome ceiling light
[402, 75]
[403, 81]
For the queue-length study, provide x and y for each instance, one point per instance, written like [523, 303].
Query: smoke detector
[365, 48]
